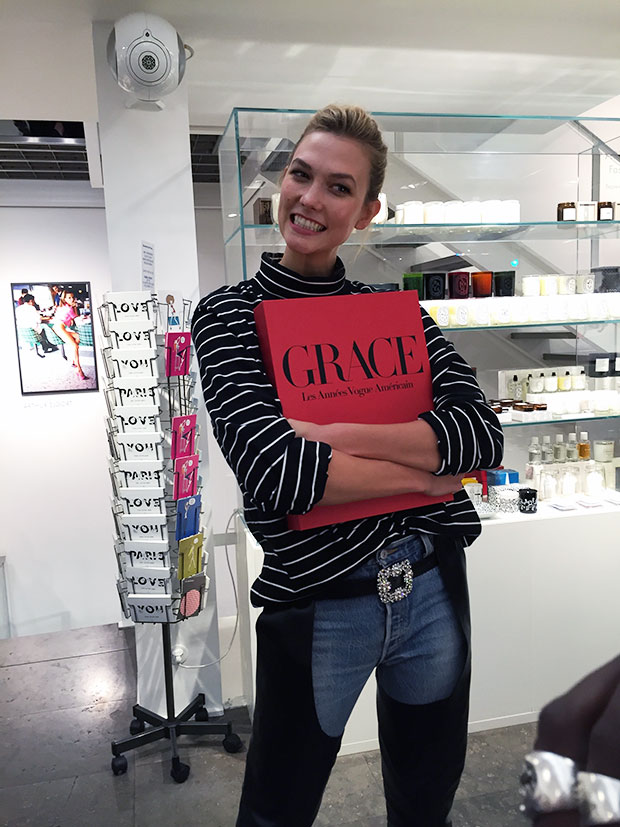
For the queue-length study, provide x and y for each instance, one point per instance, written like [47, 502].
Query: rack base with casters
[172, 726]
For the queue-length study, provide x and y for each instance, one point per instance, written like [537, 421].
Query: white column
[149, 198]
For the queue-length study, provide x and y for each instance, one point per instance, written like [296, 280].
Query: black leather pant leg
[290, 758]
[422, 755]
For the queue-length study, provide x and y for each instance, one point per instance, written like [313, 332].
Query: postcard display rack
[154, 468]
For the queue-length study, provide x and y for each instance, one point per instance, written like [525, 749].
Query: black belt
[392, 584]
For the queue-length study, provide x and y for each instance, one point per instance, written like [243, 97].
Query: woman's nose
[312, 196]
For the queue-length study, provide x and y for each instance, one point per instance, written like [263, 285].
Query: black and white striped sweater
[280, 473]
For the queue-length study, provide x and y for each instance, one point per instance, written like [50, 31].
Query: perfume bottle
[578, 380]
[572, 451]
[514, 387]
[537, 385]
[534, 460]
[564, 382]
[551, 382]
[547, 450]
[525, 386]
[583, 446]
[559, 449]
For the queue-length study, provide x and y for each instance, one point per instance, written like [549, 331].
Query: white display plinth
[544, 606]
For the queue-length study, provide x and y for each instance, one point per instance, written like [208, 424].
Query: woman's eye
[299, 173]
[342, 189]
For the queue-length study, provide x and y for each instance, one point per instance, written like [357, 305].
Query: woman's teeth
[306, 224]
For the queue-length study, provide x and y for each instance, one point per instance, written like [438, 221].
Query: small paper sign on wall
[148, 266]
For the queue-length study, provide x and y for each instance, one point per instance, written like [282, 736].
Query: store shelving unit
[539, 161]
[523, 569]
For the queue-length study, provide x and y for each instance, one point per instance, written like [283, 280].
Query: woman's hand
[308, 430]
[439, 486]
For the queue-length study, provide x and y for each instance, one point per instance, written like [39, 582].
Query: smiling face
[323, 198]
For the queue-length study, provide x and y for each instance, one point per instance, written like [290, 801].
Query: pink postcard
[183, 436]
[178, 346]
[185, 476]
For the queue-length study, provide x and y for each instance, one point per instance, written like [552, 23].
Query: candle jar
[585, 283]
[567, 211]
[549, 285]
[504, 283]
[414, 281]
[530, 285]
[603, 450]
[567, 285]
[458, 285]
[481, 284]
[434, 212]
[605, 211]
[528, 500]
[434, 285]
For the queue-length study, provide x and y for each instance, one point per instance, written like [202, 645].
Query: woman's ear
[369, 210]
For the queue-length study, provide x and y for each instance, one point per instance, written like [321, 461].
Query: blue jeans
[314, 657]
[416, 644]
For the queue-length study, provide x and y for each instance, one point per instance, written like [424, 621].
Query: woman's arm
[356, 478]
[407, 443]
[459, 435]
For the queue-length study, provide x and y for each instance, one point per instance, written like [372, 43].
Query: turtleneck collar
[282, 283]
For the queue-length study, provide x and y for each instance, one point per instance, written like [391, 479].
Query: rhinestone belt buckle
[395, 582]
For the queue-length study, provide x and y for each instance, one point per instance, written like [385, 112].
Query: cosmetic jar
[567, 211]
[603, 450]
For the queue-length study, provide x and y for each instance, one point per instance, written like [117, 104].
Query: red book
[359, 358]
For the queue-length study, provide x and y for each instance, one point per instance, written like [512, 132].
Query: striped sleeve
[280, 472]
[469, 434]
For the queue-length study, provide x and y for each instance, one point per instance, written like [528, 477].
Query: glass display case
[538, 197]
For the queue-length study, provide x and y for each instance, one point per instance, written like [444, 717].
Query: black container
[504, 283]
[528, 500]
[434, 285]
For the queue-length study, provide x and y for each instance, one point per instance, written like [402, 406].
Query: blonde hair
[355, 123]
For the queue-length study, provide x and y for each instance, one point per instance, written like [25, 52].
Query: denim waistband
[414, 548]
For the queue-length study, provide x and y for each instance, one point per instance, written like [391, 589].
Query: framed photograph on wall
[54, 330]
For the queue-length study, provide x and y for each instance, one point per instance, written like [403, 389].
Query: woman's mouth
[306, 224]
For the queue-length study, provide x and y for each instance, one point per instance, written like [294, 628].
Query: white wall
[54, 506]
[57, 524]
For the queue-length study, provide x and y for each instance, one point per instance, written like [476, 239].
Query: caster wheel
[202, 714]
[119, 765]
[179, 771]
[232, 743]
[136, 726]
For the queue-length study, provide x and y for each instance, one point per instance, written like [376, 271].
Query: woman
[66, 312]
[323, 628]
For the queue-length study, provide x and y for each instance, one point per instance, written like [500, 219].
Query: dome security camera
[147, 58]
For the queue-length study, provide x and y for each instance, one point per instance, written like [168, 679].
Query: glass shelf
[558, 420]
[389, 235]
[522, 325]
